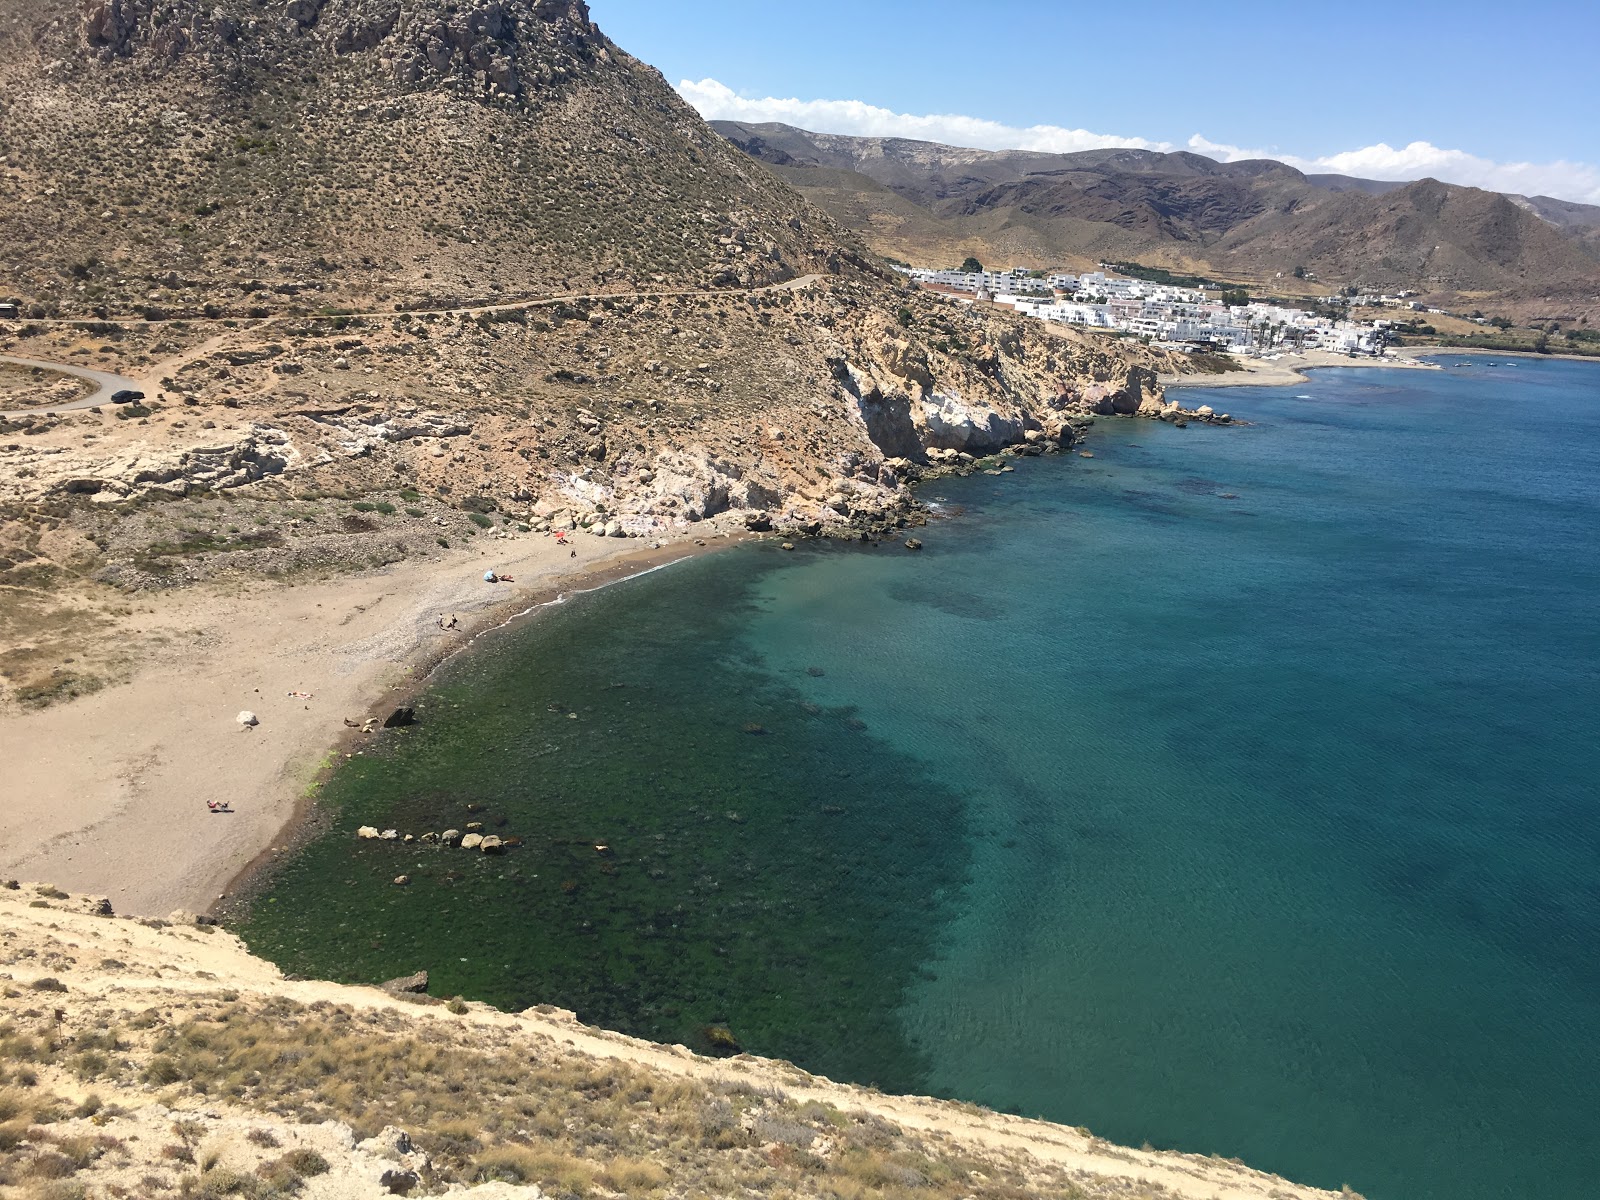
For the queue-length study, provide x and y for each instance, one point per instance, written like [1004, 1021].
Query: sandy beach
[1289, 369]
[108, 793]
[1484, 352]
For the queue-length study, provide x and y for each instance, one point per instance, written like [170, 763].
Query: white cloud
[718, 102]
[1567, 180]
[1416, 160]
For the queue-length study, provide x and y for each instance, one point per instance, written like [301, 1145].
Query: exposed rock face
[950, 424]
[494, 47]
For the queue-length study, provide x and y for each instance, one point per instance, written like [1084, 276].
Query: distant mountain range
[1251, 221]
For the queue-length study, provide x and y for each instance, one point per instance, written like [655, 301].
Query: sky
[1501, 96]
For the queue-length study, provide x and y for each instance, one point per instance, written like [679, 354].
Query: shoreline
[1485, 352]
[103, 794]
[1290, 369]
[299, 825]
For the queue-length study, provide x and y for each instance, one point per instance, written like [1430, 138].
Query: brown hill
[1251, 220]
[469, 262]
[183, 155]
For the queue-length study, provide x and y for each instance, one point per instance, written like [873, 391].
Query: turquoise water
[1232, 790]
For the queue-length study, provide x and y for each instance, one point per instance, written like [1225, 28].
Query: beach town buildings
[1192, 318]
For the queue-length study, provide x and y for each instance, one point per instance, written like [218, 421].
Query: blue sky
[1495, 95]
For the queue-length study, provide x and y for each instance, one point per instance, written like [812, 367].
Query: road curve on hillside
[105, 384]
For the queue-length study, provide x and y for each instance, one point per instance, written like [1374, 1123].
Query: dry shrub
[525, 1164]
[47, 1164]
[223, 1181]
[59, 1189]
[305, 1161]
[633, 1176]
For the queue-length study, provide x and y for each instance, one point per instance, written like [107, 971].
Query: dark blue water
[1234, 790]
[1290, 803]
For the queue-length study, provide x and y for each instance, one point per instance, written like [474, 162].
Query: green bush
[481, 521]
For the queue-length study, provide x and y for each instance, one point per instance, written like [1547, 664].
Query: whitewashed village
[1191, 319]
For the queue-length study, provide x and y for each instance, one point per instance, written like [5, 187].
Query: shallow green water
[771, 867]
[1234, 790]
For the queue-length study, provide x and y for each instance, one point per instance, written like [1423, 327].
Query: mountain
[1253, 220]
[466, 263]
[177, 155]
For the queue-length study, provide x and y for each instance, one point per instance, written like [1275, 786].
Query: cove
[1232, 790]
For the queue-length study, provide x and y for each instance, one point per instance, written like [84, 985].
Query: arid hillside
[157, 1058]
[186, 159]
[449, 272]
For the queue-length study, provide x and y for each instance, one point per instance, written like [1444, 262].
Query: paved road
[105, 383]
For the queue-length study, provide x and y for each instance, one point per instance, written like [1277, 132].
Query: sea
[1235, 790]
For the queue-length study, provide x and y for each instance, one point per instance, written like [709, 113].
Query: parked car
[126, 396]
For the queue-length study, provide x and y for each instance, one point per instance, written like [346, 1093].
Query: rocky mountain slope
[465, 264]
[158, 1058]
[1249, 220]
[183, 158]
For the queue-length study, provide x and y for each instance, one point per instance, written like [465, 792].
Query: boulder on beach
[492, 845]
[247, 719]
[367, 831]
[451, 837]
[472, 841]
